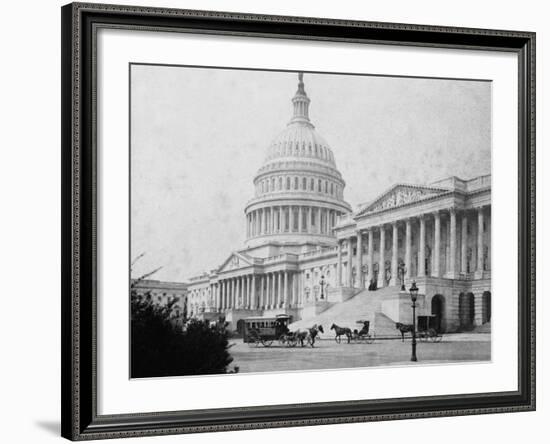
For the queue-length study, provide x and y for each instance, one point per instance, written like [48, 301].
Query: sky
[199, 135]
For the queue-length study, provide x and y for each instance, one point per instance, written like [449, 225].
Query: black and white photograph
[298, 221]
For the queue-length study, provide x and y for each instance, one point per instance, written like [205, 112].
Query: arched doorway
[438, 303]
[466, 311]
[486, 303]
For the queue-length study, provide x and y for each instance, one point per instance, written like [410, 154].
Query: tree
[159, 348]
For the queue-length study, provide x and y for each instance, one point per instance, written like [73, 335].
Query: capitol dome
[299, 191]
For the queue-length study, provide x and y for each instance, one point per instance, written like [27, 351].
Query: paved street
[329, 354]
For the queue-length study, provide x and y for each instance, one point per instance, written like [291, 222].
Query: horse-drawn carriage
[264, 331]
[356, 336]
[363, 335]
[427, 329]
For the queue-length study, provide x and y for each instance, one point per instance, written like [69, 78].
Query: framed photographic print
[278, 221]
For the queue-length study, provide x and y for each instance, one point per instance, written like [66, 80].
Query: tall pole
[413, 356]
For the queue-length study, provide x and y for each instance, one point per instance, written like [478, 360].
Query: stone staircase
[363, 306]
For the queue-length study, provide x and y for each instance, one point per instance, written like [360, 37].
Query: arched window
[304, 183]
[312, 185]
[280, 183]
[326, 187]
[288, 183]
[319, 185]
[332, 188]
[295, 183]
[310, 149]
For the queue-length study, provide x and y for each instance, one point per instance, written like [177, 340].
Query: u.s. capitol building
[310, 255]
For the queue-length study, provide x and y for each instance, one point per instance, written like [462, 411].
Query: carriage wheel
[370, 338]
[267, 342]
[292, 342]
[283, 340]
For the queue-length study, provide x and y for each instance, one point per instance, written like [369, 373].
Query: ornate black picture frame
[80, 419]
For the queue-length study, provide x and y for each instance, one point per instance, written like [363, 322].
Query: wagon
[266, 330]
[427, 330]
[363, 335]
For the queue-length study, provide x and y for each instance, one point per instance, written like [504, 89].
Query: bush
[159, 348]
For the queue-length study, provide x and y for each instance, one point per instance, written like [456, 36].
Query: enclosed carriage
[266, 330]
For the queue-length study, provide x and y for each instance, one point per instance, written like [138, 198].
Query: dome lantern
[301, 103]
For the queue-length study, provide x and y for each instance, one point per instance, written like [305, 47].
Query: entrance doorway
[438, 302]
[466, 310]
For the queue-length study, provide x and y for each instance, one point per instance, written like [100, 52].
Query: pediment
[234, 262]
[400, 195]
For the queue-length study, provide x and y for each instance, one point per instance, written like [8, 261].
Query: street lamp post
[414, 294]
[322, 283]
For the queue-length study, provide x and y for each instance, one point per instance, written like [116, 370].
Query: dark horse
[308, 334]
[404, 328]
[341, 331]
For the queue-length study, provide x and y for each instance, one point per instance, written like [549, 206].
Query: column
[464, 244]
[422, 248]
[370, 254]
[339, 265]
[281, 229]
[246, 301]
[260, 293]
[217, 296]
[308, 222]
[479, 270]
[300, 219]
[253, 303]
[382, 261]
[451, 271]
[350, 262]
[272, 214]
[285, 295]
[264, 212]
[437, 244]
[225, 302]
[234, 293]
[318, 211]
[408, 249]
[395, 233]
[359, 268]
[272, 295]
[279, 297]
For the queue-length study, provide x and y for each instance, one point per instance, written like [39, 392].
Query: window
[311, 185]
[326, 187]
[319, 185]
[332, 188]
[288, 183]
[280, 183]
[304, 183]
[295, 183]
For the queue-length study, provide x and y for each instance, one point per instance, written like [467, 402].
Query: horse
[308, 334]
[404, 328]
[341, 331]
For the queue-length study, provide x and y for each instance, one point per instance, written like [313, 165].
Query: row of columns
[450, 272]
[250, 292]
[290, 219]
